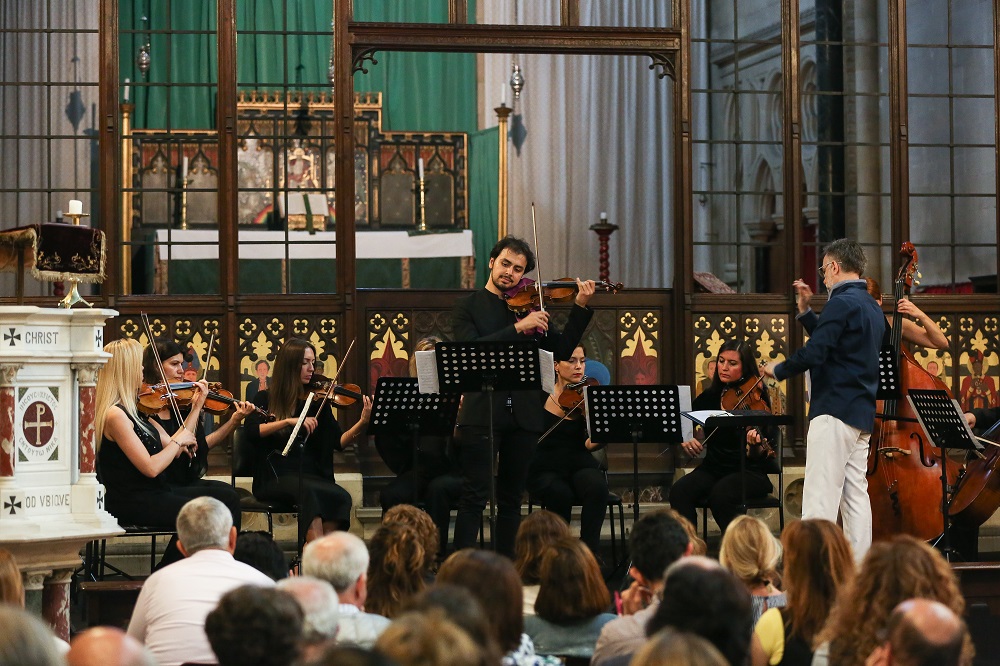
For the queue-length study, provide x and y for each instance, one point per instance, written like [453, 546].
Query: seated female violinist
[717, 479]
[563, 471]
[133, 453]
[431, 478]
[921, 330]
[325, 506]
[187, 471]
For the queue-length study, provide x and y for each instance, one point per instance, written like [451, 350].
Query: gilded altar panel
[978, 361]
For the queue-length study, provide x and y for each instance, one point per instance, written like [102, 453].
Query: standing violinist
[518, 415]
[842, 357]
[187, 471]
[563, 471]
[324, 506]
[716, 481]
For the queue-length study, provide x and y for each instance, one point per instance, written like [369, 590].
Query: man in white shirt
[169, 617]
[341, 559]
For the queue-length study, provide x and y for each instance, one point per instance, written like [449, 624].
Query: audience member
[107, 646]
[319, 607]
[669, 647]
[426, 529]
[751, 552]
[25, 640]
[350, 655]
[493, 580]
[255, 625]
[698, 545]
[428, 639]
[572, 601]
[259, 550]
[539, 530]
[11, 582]
[169, 616]
[893, 571]
[921, 632]
[341, 559]
[656, 542]
[701, 597]
[396, 571]
[818, 563]
[459, 606]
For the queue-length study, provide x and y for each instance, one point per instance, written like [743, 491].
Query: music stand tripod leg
[493, 479]
[636, 436]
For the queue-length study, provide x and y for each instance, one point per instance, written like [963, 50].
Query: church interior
[198, 153]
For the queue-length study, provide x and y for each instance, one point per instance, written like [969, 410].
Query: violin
[154, 397]
[341, 395]
[524, 297]
[749, 395]
[572, 394]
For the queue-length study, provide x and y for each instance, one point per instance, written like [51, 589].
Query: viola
[155, 397]
[524, 297]
[978, 493]
[572, 394]
[341, 395]
[749, 395]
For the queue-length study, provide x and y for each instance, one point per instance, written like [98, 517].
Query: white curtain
[599, 138]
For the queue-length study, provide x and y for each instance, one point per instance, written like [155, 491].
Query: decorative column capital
[86, 373]
[8, 373]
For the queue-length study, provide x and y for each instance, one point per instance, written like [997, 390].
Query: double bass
[904, 472]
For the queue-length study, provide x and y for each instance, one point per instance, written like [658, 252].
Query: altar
[51, 503]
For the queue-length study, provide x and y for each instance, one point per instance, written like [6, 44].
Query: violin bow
[538, 263]
[163, 377]
[208, 361]
[563, 418]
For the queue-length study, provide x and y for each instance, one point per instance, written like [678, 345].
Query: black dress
[276, 477]
[563, 472]
[717, 479]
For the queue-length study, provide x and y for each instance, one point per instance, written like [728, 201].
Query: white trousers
[836, 462]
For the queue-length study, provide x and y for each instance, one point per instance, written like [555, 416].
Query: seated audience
[698, 545]
[107, 646]
[818, 563]
[255, 625]
[751, 552]
[12, 590]
[26, 640]
[428, 639]
[397, 568]
[572, 602]
[892, 571]
[657, 541]
[259, 550]
[169, 616]
[670, 647]
[319, 607]
[536, 533]
[428, 532]
[921, 632]
[701, 597]
[341, 559]
[459, 606]
[350, 655]
[493, 580]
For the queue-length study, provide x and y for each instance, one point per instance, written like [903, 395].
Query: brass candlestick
[74, 297]
[184, 203]
[423, 210]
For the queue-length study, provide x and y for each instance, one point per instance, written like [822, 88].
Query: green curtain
[261, 58]
[484, 167]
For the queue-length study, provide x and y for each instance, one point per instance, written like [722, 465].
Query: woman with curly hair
[893, 571]
[536, 533]
[818, 563]
[396, 569]
[752, 554]
[420, 521]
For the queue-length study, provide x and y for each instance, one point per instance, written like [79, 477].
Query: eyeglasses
[822, 269]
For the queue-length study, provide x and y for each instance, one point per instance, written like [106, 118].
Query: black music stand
[942, 419]
[749, 418]
[399, 406]
[888, 374]
[486, 366]
[636, 414]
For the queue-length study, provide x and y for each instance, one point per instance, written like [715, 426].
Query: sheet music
[703, 415]
[427, 374]
[687, 428]
[298, 424]
[547, 364]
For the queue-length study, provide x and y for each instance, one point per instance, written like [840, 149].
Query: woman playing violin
[187, 471]
[717, 479]
[563, 472]
[132, 453]
[325, 506]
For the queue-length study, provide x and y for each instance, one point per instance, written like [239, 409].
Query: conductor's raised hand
[584, 290]
[803, 292]
[532, 321]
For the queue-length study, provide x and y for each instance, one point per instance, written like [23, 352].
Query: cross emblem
[12, 505]
[99, 338]
[14, 337]
[41, 411]
[100, 501]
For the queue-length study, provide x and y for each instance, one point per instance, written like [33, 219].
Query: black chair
[773, 501]
[95, 558]
[243, 465]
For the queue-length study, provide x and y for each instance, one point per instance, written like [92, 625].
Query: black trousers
[515, 448]
[560, 492]
[320, 498]
[438, 495]
[720, 490]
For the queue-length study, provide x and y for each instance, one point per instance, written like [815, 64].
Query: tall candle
[126, 91]
[604, 218]
[503, 94]
[184, 170]
[420, 168]
[75, 207]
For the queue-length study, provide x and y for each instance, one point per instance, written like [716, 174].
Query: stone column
[11, 495]
[55, 601]
[87, 495]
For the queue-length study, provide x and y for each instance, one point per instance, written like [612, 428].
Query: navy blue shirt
[842, 355]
